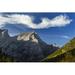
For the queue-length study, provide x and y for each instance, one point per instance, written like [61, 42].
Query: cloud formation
[58, 21]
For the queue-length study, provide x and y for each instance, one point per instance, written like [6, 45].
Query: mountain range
[26, 46]
[29, 47]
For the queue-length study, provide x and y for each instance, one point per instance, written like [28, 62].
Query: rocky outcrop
[4, 38]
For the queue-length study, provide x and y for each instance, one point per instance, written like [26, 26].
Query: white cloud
[58, 21]
[65, 36]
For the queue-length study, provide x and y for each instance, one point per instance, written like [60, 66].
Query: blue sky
[53, 28]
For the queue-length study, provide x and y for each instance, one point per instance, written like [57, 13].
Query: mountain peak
[26, 36]
[27, 46]
[4, 33]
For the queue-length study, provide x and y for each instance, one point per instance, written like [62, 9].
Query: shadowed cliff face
[25, 47]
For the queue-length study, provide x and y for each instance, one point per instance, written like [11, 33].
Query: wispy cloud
[58, 21]
[60, 36]
[65, 36]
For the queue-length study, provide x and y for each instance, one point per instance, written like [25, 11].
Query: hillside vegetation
[66, 53]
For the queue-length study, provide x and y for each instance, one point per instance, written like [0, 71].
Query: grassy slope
[68, 47]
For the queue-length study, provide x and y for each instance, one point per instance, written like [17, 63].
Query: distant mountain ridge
[25, 47]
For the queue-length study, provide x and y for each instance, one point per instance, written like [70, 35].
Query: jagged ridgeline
[64, 54]
[25, 47]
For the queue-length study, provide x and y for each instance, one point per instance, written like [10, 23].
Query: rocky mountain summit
[24, 47]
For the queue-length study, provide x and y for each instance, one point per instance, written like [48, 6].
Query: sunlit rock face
[29, 36]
